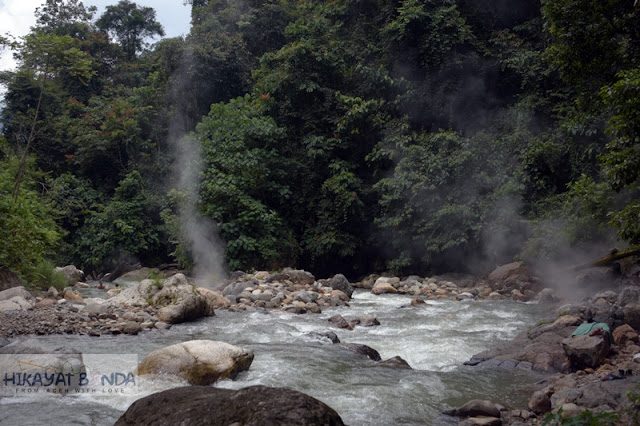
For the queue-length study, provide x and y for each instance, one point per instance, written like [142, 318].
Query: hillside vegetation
[353, 136]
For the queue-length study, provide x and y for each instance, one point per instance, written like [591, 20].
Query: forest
[351, 136]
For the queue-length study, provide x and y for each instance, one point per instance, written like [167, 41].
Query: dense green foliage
[338, 136]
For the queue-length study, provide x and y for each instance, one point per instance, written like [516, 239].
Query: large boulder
[511, 276]
[16, 303]
[71, 273]
[383, 286]
[199, 362]
[176, 298]
[610, 394]
[16, 291]
[299, 276]
[31, 356]
[586, 351]
[340, 282]
[215, 298]
[15, 299]
[254, 405]
[539, 349]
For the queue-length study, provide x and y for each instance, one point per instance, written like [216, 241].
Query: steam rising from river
[200, 232]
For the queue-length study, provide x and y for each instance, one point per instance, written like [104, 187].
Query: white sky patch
[16, 17]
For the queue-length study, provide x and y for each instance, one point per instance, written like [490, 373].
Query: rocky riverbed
[600, 385]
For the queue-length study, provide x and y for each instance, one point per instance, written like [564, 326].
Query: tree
[45, 55]
[244, 185]
[28, 232]
[124, 227]
[130, 25]
[65, 17]
[621, 161]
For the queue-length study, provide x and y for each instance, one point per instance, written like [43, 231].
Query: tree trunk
[608, 259]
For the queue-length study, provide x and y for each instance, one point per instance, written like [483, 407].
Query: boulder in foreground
[254, 405]
[199, 362]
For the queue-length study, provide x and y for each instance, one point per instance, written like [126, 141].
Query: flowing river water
[435, 339]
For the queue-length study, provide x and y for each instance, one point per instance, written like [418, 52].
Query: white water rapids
[435, 339]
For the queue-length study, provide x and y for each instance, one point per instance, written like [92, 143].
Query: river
[435, 339]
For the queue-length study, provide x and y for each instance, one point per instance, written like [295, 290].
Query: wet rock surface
[199, 362]
[254, 405]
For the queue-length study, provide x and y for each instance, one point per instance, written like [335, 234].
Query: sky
[17, 16]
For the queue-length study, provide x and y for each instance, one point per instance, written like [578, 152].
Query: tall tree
[130, 25]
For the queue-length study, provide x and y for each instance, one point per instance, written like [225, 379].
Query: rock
[340, 322]
[16, 291]
[383, 287]
[475, 408]
[518, 296]
[628, 295]
[71, 295]
[9, 305]
[481, 421]
[631, 314]
[465, 295]
[131, 327]
[114, 291]
[95, 309]
[261, 275]
[362, 350]
[44, 303]
[42, 357]
[340, 295]
[179, 300]
[277, 277]
[539, 350]
[298, 276]
[609, 394]
[71, 273]
[3, 342]
[546, 295]
[199, 362]
[539, 403]
[340, 282]
[205, 405]
[395, 362]
[160, 325]
[624, 334]
[326, 335]
[586, 351]
[368, 321]
[494, 295]
[570, 410]
[233, 290]
[52, 293]
[418, 301]
[510, 276]
[16, 303]
[305, 296]
[369, 281]
[215, 298]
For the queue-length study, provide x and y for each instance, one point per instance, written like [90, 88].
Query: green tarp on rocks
[588, 327]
